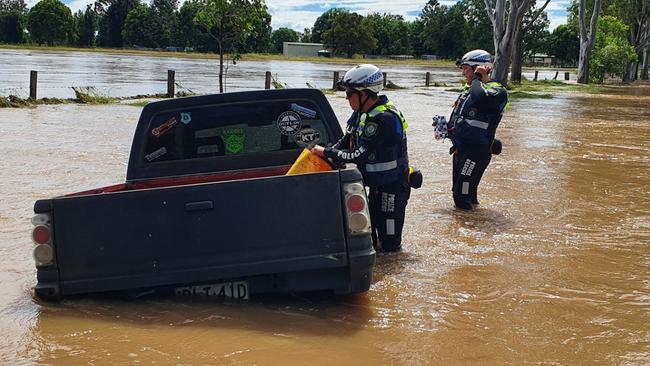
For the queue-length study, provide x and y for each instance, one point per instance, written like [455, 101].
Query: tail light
[42, 236]
[356, 207]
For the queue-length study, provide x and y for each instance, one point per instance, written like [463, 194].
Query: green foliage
[279, 36]
[478, 28]
[188, 33]
[86, 23]
[139, 27]
[536, 35]
[50, 22]
[612, 51]
[11, 26]
[259, 38]
[111, 21]
[228, 22]
[324, 23]
[564, 43]
[391, 32]
[349, 35]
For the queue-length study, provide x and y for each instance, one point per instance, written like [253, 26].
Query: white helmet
[364, 77]
[476, 58]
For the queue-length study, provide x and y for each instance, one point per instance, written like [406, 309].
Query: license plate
[235, 290]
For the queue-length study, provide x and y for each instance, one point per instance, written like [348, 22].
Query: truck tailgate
[199, 232]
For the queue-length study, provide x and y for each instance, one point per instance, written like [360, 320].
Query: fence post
[536, 74]
[566, 75]
[267, 80]
[427, 79]
[335, 80]
[33, 77]
[385, 78]
[171, 83]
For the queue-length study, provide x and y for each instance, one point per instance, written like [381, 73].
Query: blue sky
[300, 14]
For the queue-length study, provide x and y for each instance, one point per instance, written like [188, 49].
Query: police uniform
[473, 123]
[376, 142]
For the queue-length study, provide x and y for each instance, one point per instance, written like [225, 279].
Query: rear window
[215, 132]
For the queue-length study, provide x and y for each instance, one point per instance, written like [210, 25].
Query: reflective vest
[472, 124]
[386, 164]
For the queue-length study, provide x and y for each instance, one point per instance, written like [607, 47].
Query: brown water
[553, 268]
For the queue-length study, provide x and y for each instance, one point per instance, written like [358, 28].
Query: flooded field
[553, 268]
[127, 75]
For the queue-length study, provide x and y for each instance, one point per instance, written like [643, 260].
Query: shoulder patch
[370, 129]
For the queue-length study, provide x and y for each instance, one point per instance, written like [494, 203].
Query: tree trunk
[586, 39]
[644, 67]
[504, 29]
[517, 56]
[630, 71]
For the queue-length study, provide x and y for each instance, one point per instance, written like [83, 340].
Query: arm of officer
[373, 135]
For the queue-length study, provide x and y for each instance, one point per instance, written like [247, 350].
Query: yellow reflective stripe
[381, 109]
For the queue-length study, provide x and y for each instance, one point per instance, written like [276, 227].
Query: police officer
[375, 140]
[472, 126]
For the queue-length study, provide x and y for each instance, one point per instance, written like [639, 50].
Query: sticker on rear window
[234, 140]
[186, 118]
[302, 110]
[166, 126]
[307, 137]
[289, 123]
[156, 154]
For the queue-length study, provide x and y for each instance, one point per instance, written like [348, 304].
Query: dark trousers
[469, 164]
[387, 210]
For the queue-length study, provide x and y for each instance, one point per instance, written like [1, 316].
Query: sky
[301, 14]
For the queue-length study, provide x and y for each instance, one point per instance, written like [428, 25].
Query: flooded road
[553, 268]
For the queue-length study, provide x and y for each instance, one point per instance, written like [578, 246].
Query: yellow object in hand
[308, 163]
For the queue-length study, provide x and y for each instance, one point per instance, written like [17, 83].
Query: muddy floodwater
[553, 268]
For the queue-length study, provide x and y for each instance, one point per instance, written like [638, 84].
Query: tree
[188, 33]
[636, 14]
[349, 34]
[324, 23]
[505, 31]
[587, 38]
[534, 25]
[163, 21]
[228, 22]
[305, 36]
[86, 22]
[259, 38]
[612, 51]
[50, 22]
[140, 27]
[478, 28]
[391, 32]
[281, 35]
[112, 16]
[13, 5]
[564, 44]
[11, 26]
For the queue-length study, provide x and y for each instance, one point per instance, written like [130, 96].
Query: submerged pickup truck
[206, 208]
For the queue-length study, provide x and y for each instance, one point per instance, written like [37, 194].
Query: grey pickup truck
[207, 210]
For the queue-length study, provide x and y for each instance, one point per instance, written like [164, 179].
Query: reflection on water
[551, 269]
